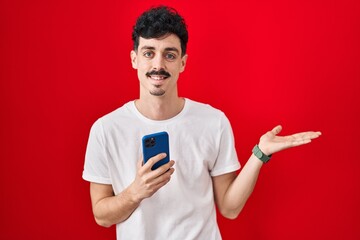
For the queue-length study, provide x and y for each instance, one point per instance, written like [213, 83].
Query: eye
[148, 54]
[170, 56]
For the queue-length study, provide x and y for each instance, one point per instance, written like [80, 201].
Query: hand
[271, 143]
[148, 181]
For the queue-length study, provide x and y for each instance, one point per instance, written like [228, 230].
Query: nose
[158, 62]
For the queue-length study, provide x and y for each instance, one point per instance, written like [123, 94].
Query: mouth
[158, 75]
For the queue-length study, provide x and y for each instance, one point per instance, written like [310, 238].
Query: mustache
[162, 72]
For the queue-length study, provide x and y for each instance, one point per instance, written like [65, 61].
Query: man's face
[158, 62]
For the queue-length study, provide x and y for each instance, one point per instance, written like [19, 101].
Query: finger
[160, 185]
[300, 142]
[155, 182]
[163, 179]
[154, 160]
[306, 135]
[318, 134]
[168, 165]
[304, 138]
[313, 135]
[140, 166]
[164, 168]
[276, 130]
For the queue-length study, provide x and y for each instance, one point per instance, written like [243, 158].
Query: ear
[183, 62]
[133, 57]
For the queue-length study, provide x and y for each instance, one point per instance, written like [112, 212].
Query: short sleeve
[227, 160]
[96, 167]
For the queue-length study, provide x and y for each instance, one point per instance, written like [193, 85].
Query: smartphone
[153, 144]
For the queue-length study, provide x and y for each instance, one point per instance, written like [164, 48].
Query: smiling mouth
[158, 75]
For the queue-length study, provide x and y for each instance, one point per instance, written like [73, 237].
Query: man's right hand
[148, 181]
[109, 209]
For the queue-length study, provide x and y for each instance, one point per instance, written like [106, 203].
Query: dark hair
[157, 22]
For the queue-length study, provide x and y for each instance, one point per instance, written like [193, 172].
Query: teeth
[157, 77]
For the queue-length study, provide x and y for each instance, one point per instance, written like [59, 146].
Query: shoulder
[121, 112]
[207, 114]
[115, 117]
[204, 110]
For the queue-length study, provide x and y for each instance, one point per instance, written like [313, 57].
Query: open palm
[271, 143]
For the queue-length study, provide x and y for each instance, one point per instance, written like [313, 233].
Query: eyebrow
[148, 47]
[174, 49]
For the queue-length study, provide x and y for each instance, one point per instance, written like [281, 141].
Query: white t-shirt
[202, 145]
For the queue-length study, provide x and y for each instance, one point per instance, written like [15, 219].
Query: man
[173, 201]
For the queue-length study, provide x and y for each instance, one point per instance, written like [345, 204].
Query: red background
[295, 63]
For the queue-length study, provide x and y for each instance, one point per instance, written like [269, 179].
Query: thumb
[276, 130]
[139, 163]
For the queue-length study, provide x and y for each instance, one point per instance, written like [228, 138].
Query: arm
[111, 209]
[232, 191]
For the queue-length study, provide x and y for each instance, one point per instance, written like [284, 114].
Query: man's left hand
[270, 143]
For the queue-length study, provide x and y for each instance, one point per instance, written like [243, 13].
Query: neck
[159, 108]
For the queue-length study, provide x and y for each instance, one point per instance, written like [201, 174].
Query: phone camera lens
[150, 142]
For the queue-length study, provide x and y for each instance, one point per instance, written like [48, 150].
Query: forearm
[232, 192]
[241, 188]
[109, 209]
[115, 209]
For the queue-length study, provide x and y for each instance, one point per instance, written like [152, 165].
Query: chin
[157, 93]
